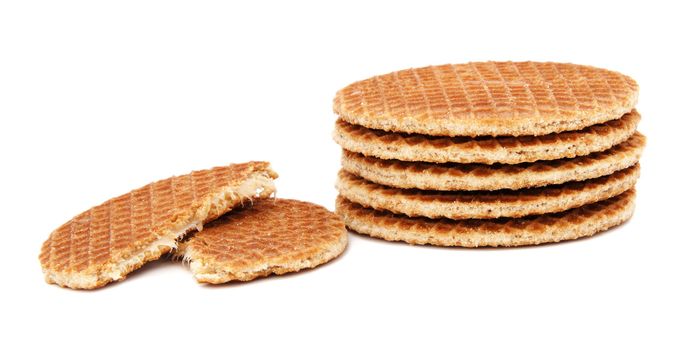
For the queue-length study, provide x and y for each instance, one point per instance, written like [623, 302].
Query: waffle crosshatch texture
[106, 242]
[271, 236]
[488, 153]
[488, 98]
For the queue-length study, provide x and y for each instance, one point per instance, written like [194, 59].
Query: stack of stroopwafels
[488, 154]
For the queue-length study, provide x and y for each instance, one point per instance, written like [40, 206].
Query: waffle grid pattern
[488, 98]
[274, 232]
[116, 229]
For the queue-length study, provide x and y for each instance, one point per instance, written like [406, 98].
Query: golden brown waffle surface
[455, 176]
[272, 236]
[485, 204]
[108, 241]
[571, 224]
[488, 98]
[487, 150]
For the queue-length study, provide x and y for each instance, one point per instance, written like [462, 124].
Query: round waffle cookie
[488, 98]
[272, 236]
[108, 241]
[487, 149]
[485, 204]
[566, 225]
[474, 177]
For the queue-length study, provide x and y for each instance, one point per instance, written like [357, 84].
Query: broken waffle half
[105, 243]
[272, 236]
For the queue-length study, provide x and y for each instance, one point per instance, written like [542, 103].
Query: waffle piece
[488, 98]
[575, 223]
[473, 177]
[485, 204]
[272, 236]
[106, 242]
[487, 150]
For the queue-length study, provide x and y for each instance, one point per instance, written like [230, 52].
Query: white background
[97, 98]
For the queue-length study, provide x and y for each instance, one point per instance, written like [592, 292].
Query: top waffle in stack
[567, 132]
